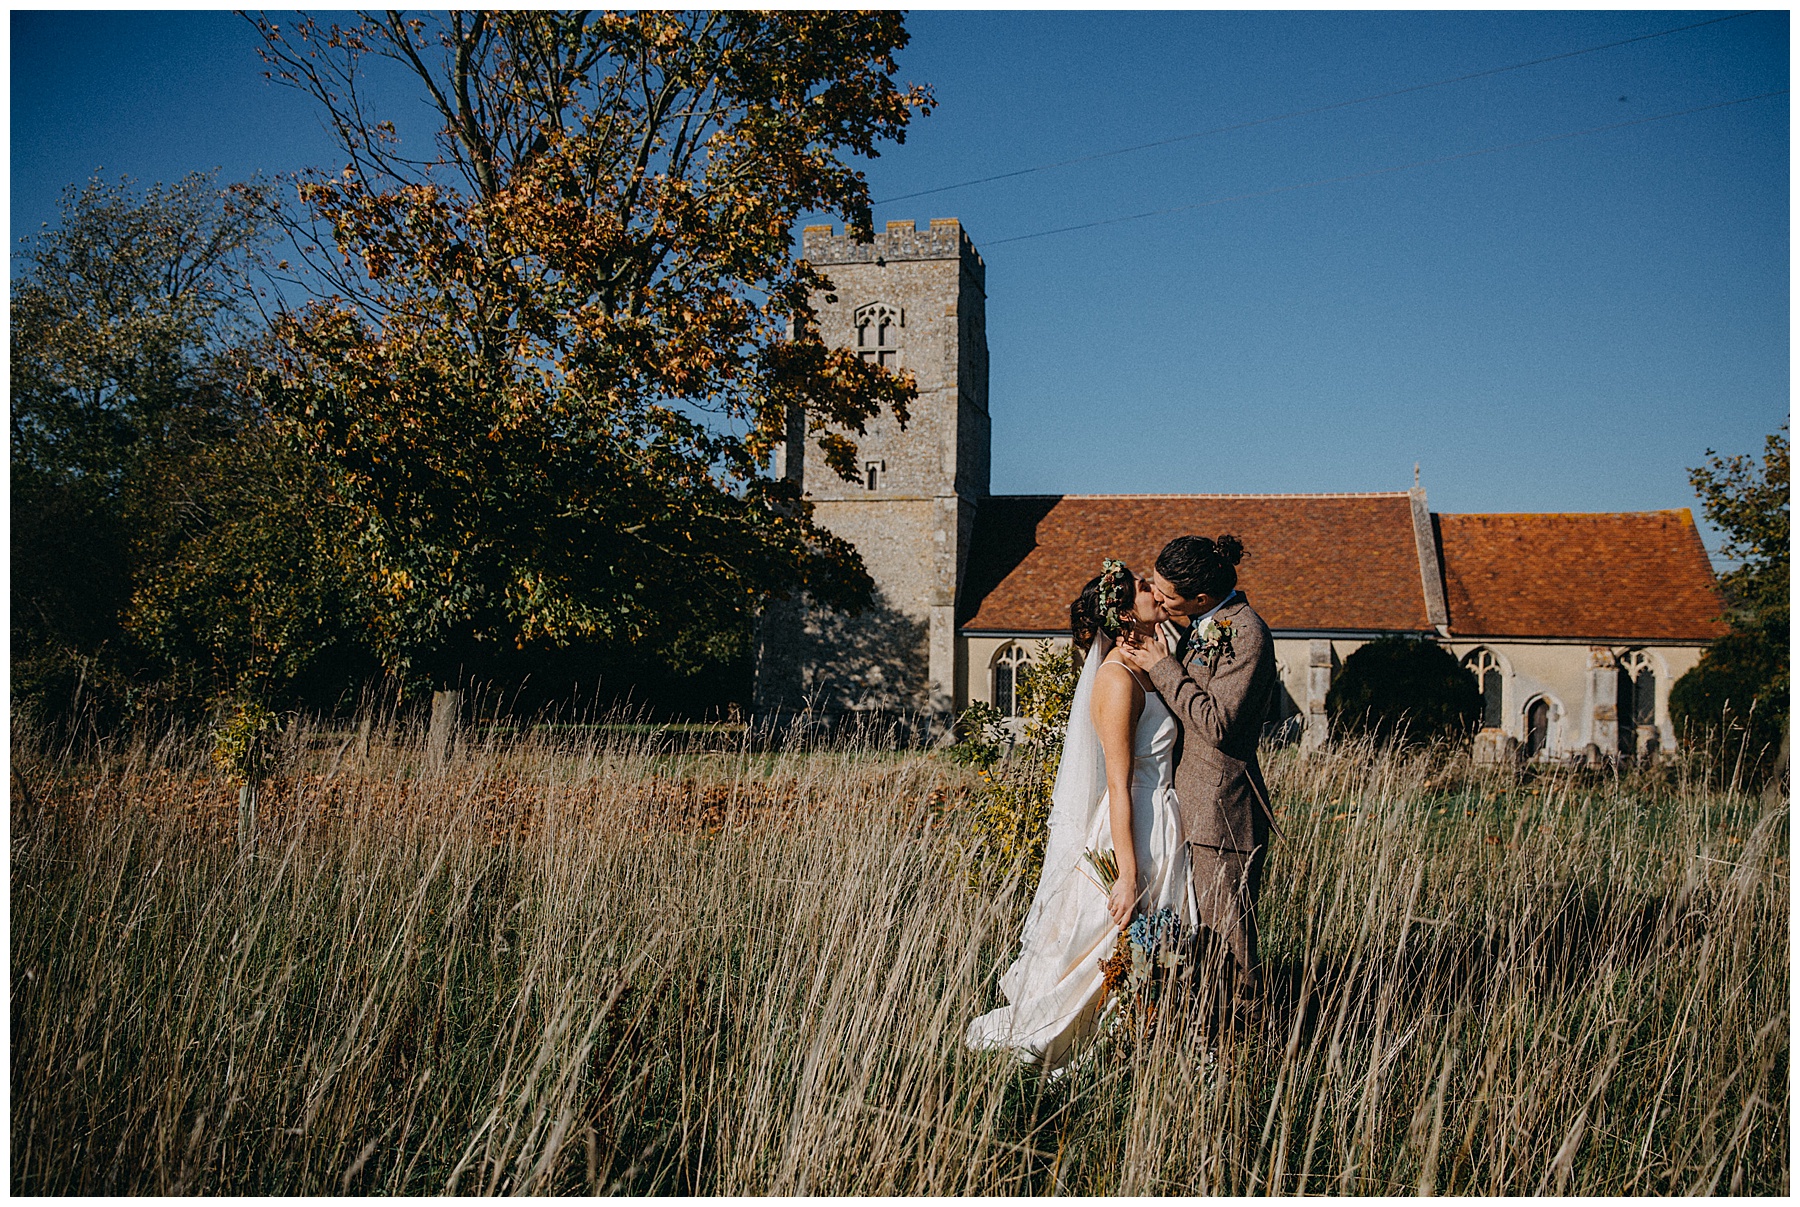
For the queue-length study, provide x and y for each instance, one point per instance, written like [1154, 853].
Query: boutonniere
[1213, 638]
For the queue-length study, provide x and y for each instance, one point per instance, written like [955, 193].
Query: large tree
[1740, 688]
[554, 352]
[122, 317]
[169, 545]
[1748, 500]
[1401, 689]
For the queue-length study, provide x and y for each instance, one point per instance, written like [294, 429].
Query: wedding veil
[1075, 797]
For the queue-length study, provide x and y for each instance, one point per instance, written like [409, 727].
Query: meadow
[563, 961]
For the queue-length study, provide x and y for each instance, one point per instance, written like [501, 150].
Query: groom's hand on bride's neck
[1142, 650]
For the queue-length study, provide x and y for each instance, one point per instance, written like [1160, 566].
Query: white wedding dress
[1053, 989]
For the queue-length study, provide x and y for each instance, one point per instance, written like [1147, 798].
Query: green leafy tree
[124, 321]
[258, 595]
[1739, 689]
[170, 545]
[1748, 500]
[554, 353]
[1403, 689]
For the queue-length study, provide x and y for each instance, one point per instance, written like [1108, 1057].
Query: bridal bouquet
[1149, 943]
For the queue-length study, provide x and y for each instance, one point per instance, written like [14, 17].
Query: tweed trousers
[1226, 883]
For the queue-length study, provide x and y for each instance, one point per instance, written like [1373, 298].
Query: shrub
[1018, 769]
[1406, 690]
[1737, 698]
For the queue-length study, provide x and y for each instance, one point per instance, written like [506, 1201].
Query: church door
[1537, 728]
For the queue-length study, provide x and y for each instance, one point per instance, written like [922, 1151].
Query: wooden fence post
[247, 819]
[446, 713]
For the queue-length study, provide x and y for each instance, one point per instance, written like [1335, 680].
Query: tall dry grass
[562, 964]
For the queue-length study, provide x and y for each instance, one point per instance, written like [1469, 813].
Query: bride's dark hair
[1089, 615]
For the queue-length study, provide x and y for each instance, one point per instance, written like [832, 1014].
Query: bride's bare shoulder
[1115, 659]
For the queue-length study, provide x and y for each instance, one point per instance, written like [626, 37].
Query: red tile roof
[1350, 563]
[1336, 562]
[1612, 576]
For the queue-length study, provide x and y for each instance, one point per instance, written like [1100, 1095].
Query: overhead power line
[1417, 163]
[1281, 117]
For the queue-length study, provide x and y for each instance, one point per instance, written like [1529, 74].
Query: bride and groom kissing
[1159, 767]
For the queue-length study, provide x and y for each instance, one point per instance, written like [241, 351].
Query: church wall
[889, 534]
[1294, 697]
[824, 662]
[1579, 682]
[975, 662]
[1581, 694]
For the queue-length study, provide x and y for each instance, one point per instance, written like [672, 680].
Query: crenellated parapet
[945, 239]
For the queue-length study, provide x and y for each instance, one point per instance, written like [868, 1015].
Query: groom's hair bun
[1199, 565]
[1087, 615]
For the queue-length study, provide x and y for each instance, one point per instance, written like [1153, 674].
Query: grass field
[568, 964]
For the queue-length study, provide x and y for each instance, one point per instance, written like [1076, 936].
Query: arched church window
[1637, 668]
[1484, 664]
[1637, 697]
[1006, 677]
[1537, 727]
[878, 333]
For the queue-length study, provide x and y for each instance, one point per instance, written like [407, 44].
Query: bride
[1113, 791]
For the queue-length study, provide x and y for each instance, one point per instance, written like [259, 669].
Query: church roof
[1351, 563]
[1605, 576]
[1311, 562]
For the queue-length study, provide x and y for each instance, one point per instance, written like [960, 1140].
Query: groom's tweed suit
[1222, 700]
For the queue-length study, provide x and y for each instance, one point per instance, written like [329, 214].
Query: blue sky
[1564, 326]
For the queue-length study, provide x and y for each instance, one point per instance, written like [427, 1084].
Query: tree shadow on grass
[1584, 929]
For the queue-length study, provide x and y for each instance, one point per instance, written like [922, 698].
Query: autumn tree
[1739, 689]
[553, 353]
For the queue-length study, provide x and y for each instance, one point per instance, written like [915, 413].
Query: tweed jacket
[1221, 699]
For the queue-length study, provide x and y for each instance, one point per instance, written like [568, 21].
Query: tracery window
[1006, 664]
[1484, 664]
[878, 333]
[1637, 697]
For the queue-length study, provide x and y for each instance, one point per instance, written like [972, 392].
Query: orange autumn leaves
[560, 350]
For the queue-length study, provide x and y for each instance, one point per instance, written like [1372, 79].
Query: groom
[1219, 681]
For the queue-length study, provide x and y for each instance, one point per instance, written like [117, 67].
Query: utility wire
[1281, 117]
[1417, 163]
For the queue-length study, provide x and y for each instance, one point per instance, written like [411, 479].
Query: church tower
[912, 300]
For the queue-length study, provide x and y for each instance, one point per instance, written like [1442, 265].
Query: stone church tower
[912, 300]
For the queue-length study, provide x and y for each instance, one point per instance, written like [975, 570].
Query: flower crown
[1112, 588]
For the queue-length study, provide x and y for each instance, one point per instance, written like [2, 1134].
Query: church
[1573, 625]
